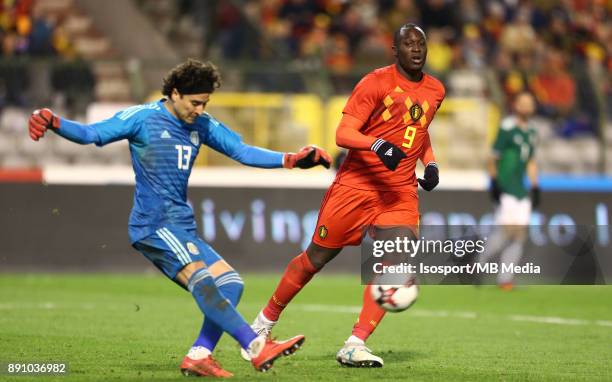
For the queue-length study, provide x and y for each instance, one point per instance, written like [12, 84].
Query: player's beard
[523, 118]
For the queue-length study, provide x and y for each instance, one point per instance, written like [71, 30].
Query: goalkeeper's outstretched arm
[42, 120]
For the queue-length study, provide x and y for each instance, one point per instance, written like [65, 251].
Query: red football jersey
[398, 111]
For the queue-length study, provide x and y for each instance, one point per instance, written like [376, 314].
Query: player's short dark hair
[406, 27]
[192, 77]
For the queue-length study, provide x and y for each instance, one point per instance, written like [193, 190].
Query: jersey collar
[405, 83]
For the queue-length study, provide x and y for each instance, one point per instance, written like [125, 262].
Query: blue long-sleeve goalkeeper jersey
[163, 150]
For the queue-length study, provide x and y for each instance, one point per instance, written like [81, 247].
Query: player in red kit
[384, 126]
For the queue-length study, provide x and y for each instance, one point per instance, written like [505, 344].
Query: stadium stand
[484, 52]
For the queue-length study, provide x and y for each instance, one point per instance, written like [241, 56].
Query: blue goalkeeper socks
[217, 308]
[231, 286]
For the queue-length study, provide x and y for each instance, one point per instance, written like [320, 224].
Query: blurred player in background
[384, 121]
[513, 156]
[165, 138]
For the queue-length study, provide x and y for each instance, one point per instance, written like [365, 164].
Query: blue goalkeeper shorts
[171, 249]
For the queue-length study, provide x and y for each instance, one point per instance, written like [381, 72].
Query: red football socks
[370, 316]
[298, 273]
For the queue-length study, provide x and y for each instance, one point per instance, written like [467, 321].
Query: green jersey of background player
[513, 153]
[513, 157]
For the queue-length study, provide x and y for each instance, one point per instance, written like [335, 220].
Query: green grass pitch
[138, 327]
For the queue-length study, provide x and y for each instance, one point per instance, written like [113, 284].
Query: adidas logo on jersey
[389, 152]
[165, 134]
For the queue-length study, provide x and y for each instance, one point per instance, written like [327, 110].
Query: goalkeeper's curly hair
[192, 77]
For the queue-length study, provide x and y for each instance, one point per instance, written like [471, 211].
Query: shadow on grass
[388, 356]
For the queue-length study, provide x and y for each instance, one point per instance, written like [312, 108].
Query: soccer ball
[395, 298]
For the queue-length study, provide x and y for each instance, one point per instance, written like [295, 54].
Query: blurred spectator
[74, 82]
[338, 55]
[314, 43]
[41, 36]
[473, 47]
[339, 61]
[517, 73]
[375, 48]
[554, 87]
[402, 11]
[26, 30]
[519, 36]
[558, 33]
[352, 27]
[440, 14]
[14, 82]
[231, 30]
[439, 54]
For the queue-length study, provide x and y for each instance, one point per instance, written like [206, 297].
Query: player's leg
[170, 250]
[170, 258]
[516, 231]
[340, 223]
[399, 217]
[371, 313]
[354, 352]
[298, 273]
[261, 350]
[230, 285]
[199, 360]
[498, 239]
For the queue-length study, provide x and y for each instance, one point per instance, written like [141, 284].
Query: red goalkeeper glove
[307, 157]
[40, 121]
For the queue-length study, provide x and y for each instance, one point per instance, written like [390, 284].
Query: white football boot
[262, 327]
[357, 355]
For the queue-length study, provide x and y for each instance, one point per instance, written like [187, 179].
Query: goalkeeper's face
[188, 107]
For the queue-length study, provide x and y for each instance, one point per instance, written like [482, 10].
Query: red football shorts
[346, 212]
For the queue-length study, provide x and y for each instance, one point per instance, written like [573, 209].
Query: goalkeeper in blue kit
[164, 139]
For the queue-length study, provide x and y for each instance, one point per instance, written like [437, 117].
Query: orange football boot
[273, 349]
[205, 367]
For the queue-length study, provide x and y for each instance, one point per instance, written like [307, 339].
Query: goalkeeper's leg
[199, 360]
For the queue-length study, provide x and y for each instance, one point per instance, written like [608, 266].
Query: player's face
[411, 50]
[188, 107]
[524, 105]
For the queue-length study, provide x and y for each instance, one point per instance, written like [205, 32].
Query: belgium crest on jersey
[416, 112]
[323, 231]
[194, 138]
